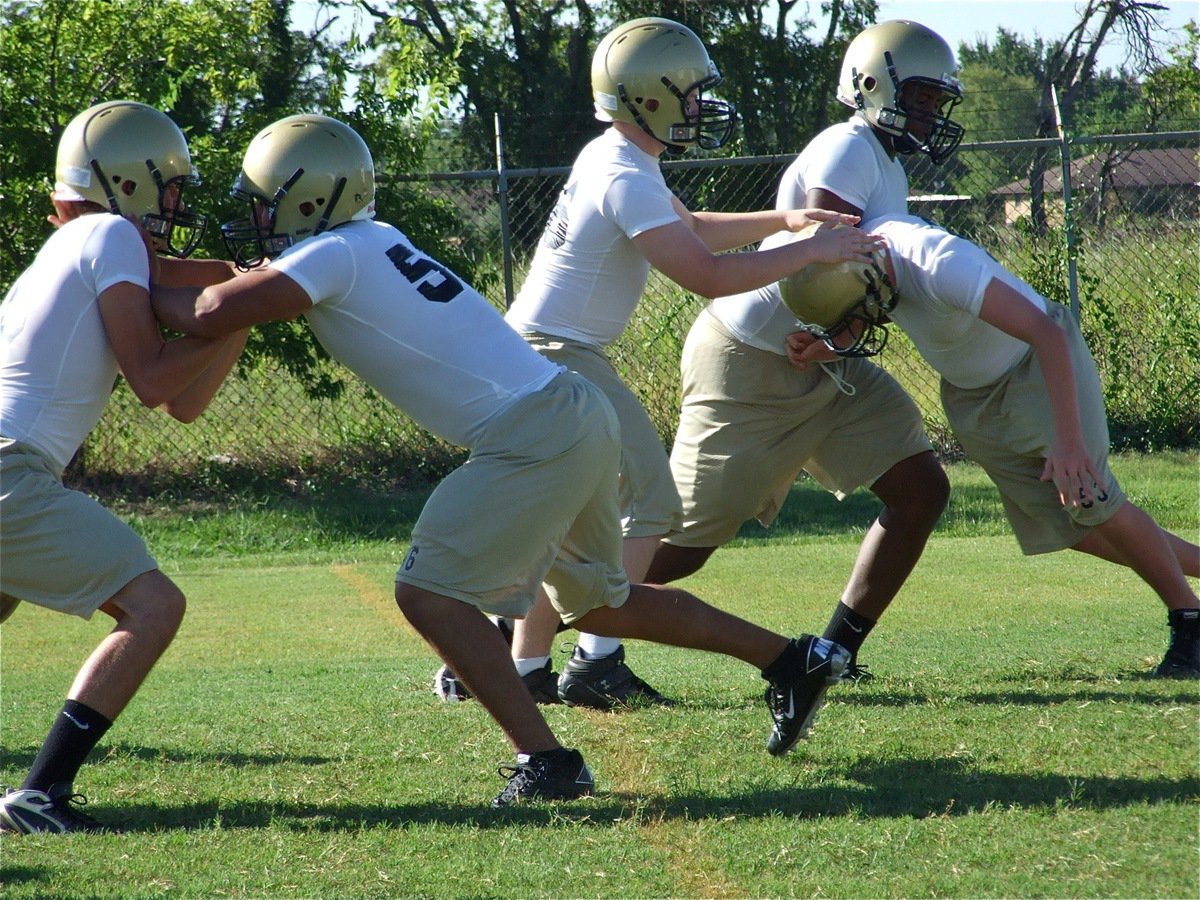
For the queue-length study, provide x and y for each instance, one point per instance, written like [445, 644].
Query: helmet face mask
[845, 305]
[301, 176]
[654, 72]
[902, 78]
[133, 160]
[862, 329]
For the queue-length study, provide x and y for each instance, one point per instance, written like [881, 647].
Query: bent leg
[675, 617]
[1097, 544]
[475, 650]
[914, 492]
[1133, 539]
[671, 563]
[148, 611]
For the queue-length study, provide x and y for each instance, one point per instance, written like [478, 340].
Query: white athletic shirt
[57, 368]
[846, 159]
[587, 275]
[413, 330]
[941, 280]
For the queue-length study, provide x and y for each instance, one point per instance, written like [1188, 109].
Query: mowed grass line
[289, 745]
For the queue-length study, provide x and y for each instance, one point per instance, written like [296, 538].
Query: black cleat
[604, 683]
[857, 673]
[30, 812]
[543, 684]
[795, 693]
[446, 684]
[551, 775]
[1179, 663]
[1183, 654]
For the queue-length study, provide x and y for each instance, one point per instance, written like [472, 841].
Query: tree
[222, 69]
[1088, 99]
[1071, 67]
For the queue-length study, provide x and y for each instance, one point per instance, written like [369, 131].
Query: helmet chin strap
[113, 206]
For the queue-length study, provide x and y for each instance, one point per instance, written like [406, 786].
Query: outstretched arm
[193, 272]
[250, 298]
[1068, 463]
[677, 252]
[727, 231]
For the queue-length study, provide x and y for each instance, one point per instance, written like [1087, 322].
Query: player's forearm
[196, 397]
[728, 231]
[194, 272]
[175, 307]
[1054, 358]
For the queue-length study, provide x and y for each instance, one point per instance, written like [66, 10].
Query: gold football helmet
[301, 175]
[125, 156]
[844, 304]
[643, 72]
[885, 60]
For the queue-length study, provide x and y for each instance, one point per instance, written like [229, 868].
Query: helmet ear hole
[307, 208]
[651, 105]
[128, 187]
[868, 83]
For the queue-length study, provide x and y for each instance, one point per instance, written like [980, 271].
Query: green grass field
[288, 745]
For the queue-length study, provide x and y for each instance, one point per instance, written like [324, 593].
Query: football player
[1021, 393]
[78, 316]
[544, 443]
[750, 422]
[614, 220]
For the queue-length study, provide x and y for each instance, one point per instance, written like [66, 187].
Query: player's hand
[799, 219]
[805, 348]
[1077, 478]
[835, 245]
[64, 211]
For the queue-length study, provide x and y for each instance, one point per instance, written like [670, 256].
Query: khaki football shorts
[59, 548]
[649, 502]
[535, 501]
[751, 422]
[1008, 428]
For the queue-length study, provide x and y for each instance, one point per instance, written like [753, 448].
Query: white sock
[593, 646]
[525, 666]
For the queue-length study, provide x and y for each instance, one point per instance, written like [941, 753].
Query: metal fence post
[505, 236]
[1068, 207]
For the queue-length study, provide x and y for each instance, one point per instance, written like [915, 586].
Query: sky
[965, 20]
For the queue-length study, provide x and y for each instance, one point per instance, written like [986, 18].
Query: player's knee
[151, 603]
[916, 489]
[671, 563]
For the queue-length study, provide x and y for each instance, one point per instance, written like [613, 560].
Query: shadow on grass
[23, 758]
[916, 788]
[1181, 694]
[14, 875]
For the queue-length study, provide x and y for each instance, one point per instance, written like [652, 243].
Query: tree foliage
[1072, 90]
[222, 69]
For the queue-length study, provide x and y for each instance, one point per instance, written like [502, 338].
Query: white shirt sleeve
[323, 266]
[115, 253]
[637, 203]
[845, 166]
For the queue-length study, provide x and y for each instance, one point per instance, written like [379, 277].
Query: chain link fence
[1107, 224]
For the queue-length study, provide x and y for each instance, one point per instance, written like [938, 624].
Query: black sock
[848, 628]
[1185, 626]
[76, 730]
